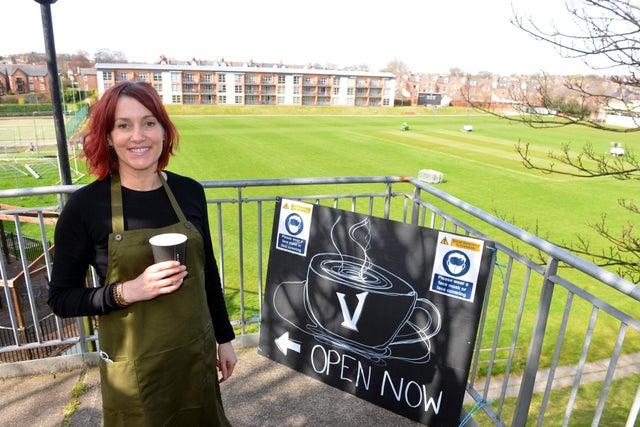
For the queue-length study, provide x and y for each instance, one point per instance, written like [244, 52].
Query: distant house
[622, 114]
[22, 79]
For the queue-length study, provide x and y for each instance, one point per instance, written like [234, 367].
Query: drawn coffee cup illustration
[356, 301]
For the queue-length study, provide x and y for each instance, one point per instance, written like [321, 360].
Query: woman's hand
[158, 279]
[227, 360]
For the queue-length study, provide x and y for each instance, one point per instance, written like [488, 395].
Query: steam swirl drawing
[353, 304]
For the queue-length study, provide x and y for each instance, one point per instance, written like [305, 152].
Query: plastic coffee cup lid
[168, 239]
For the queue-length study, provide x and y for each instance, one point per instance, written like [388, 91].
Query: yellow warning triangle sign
[444, 241]
[286, 206]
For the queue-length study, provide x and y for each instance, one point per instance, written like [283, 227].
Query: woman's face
[137, 137]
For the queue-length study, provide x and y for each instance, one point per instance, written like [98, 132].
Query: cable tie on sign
[478, 406]
[501, 268]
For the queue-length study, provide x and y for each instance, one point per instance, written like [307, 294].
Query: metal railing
[536, 319]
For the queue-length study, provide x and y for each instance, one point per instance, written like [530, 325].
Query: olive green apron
[158, 362]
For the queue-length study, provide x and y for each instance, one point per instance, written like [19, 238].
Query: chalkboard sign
[383, 310]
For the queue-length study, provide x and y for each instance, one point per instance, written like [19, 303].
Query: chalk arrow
[284, 344]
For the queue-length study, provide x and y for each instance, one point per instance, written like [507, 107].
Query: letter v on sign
[351, 322]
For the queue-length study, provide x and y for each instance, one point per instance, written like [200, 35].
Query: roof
[87, 71]
[30, 70]
[242, 69]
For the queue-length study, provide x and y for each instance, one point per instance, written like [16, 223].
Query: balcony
[362, 83]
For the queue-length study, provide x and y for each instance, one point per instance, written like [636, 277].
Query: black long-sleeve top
[81, 239]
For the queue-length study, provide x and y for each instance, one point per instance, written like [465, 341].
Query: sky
[427, 35]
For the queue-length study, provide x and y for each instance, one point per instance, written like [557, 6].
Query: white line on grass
[328, 115]
[508, 170]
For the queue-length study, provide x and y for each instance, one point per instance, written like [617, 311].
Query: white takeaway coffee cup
[169, 247]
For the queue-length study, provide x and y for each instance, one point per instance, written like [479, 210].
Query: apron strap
[117, 215]
[173, 201]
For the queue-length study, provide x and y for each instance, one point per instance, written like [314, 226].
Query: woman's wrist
[118, 295]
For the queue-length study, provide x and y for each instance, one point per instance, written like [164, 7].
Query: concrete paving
[260, 393]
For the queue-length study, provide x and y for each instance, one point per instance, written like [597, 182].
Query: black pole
[54, 88]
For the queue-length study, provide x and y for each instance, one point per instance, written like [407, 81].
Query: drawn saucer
[412, 343]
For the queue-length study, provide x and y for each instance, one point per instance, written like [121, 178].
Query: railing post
[241, 261]
[535, 348]
[415, 209]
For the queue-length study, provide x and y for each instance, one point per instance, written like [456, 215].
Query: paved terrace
[260, 393]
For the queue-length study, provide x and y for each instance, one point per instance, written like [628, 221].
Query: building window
[176, 99]
[206, 99]
[307, 80]
[188, 77]
[335, 101]
[221, 78]
[157, 86]
[296, 100]
[349, 101]
[31, 87]
[280, 89]
[281, 100]
[42, 86]
[157, 77]
[237, 78]
[336, 90]
[206, 78]
[385, 101]
[267, 79]
[141, 77]
[222, 88]
[175, 87]
[336, 81]
[107, 85]
[238, 89]
[107, 75]
[239, 99]
[175, 77]
[349, 91]
[281, 80]
[189, 99]
[122, 76]
[296, 89]
[206, 88]
[322, 81]
[222, 99]
[296, 80]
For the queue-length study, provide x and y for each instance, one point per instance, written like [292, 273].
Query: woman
[156, 320]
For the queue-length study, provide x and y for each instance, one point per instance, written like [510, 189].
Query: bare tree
[604, 34]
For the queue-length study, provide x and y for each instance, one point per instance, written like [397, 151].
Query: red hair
[101, 160]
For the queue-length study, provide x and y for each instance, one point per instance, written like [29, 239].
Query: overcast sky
[428, 35]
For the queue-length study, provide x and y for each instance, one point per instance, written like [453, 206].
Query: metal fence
[539, 320]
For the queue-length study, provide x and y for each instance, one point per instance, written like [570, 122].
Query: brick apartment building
[84, 79]
[22, 79]
[254, 84]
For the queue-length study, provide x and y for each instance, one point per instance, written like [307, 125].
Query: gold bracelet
[117, 295]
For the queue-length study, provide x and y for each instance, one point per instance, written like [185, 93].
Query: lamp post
[52, 68]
